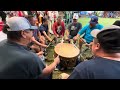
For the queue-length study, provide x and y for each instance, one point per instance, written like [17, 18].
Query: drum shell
[67, 62]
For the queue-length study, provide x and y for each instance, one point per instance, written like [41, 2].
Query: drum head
[66, 50]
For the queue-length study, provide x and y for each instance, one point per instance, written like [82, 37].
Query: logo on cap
[92, 19]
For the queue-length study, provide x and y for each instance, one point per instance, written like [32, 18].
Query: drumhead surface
[66, 50]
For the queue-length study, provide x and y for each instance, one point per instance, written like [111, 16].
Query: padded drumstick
[50, 43]
[62, 40]
[74, 45]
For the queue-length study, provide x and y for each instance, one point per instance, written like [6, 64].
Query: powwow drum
[68, 54]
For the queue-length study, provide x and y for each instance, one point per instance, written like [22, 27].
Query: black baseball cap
[117, 22]
[108, 37]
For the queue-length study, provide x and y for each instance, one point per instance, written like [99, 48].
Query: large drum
[68, 54]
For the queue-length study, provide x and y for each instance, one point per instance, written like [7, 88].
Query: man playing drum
[36, 41]
[73, 28]
[87, 38]
[86, 30]
[44, 30]
[58, 28]
[106, 63]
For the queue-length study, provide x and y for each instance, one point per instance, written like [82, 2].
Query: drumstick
[50, 43]
[78, 48]
[62, 40]
[74, 45]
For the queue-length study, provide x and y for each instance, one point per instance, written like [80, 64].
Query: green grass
[103, 21]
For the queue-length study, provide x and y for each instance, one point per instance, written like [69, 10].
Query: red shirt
[20, 14]
[1, 26]
[59, 29]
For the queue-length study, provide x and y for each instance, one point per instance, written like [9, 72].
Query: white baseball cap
[19, 23]
[75, 16]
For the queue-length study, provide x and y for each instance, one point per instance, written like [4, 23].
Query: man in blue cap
[86, 30]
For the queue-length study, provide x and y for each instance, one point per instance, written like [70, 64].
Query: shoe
[42, 58]
[56, 69]
[45, 58]
[62, 69]
[70, 68]
[45, 54]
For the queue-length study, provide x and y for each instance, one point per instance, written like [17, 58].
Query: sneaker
[42, 58]
[62, 69]
[45, 54]
[45, 58]
[56, 69]
[70, 68]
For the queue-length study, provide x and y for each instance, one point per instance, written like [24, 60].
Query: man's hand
[89, 45]
[44, 46]
[50, 40]
[67, 38]
[57, 60]
[75, 38]
[61, 36]
[82, 40]
[57, 36]
[40, 53]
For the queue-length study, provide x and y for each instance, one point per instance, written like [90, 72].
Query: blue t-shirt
[43, 28]
[87, 30]
[35, 34]
[97, 68]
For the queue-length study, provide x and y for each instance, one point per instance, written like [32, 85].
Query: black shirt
[97, 68]
[17, 62]
[74, 28]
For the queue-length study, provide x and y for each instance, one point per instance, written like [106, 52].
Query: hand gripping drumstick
[74, 45]
[50, 43]
[78, 48]
[62, 40]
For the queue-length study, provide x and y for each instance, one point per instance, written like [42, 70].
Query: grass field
[84, 21]
[103, 21]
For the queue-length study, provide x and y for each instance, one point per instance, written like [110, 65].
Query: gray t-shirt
[74, 28]
[17, 62]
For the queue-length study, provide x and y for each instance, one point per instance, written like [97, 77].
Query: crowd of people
[22, 52]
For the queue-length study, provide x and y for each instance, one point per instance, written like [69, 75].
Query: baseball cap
[108, 37]
[95, 32]
[94, 20]
[117, 22]
[75, 16]
[19, 23]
